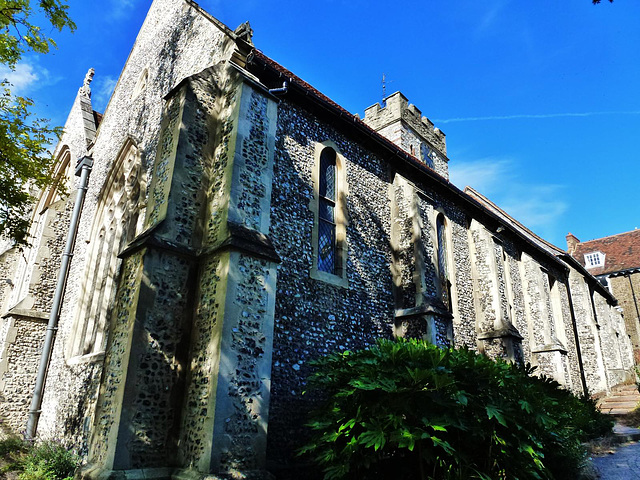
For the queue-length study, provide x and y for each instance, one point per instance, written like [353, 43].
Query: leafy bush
[12, 446]
[51, 460]
[408, 409]
[47, 460]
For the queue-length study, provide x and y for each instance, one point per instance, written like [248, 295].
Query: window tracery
[118, 220]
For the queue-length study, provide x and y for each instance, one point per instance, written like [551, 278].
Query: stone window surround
[508, 281]
[437, 211]
[85, 311]
[141, 83]
[556, 309]
[449, 262]
[340, 278]
[63, 174]
[38, 222]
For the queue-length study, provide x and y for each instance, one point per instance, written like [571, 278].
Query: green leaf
[494, 412]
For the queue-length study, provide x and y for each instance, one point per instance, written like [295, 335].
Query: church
[235, 225]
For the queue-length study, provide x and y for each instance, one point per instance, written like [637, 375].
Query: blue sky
[539, 99]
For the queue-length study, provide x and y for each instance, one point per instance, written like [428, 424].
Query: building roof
[541, 243]
[621, 252]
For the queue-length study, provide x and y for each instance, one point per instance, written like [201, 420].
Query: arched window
[141, 84]
[329, 232]
[327, 212]
[443, 261]
[118, 220]
[63, 179]
[46, 212]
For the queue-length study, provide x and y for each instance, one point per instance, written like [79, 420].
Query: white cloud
[538, 206]
[120, 8]
[483, 175]
[22, 78]
[534, 116]
[101, 92]
[490, 16]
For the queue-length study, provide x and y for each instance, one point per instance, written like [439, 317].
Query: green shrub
[407, 409]
[50, 459]
[47, 460]
[36, 471]
[12, 446]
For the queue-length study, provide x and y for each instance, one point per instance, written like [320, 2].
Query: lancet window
[329, 234]
[443, 260]
[119, 217]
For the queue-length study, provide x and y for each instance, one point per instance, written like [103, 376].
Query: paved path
[624, 464]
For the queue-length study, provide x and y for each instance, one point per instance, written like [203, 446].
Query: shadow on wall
[314, 318]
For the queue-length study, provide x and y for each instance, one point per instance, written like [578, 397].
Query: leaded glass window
[327, 212]
[443, 267]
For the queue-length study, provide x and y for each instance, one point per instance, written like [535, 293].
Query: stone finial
[85, 89]
[244, 32]
[572, 243]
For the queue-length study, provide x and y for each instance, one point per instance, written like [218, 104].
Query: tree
[25, 161]
[598, 1]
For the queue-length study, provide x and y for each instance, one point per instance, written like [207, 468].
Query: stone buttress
[419, 308]
[185, 390]
[497, 336]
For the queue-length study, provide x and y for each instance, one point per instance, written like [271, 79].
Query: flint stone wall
[174, 43]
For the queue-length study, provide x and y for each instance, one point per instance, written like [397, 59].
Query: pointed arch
[121, 206]
[329, 207]
[43, 215]
[63, 179]
[444, 261]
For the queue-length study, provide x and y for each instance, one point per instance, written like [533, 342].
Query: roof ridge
[635, 230]
[473, 191]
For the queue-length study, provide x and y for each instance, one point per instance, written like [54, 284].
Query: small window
[443, 267]
[594, 259]
[327, 212]
[141, 84]
[330, 218]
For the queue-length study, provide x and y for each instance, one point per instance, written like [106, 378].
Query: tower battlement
[403, 124]
[397, 108]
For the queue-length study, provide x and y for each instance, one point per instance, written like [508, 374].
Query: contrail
[530, 115]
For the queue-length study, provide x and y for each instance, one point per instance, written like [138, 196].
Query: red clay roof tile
[622, 252]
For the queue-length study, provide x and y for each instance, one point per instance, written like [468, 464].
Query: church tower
[403, 124]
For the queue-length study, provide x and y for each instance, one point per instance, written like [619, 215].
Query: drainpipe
[83, 169]
[284, 89]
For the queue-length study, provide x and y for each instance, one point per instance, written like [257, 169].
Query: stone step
[616, 413]
[626, 434]
[627, 407]
[625, 388]
[618, 401]
[622, 398]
